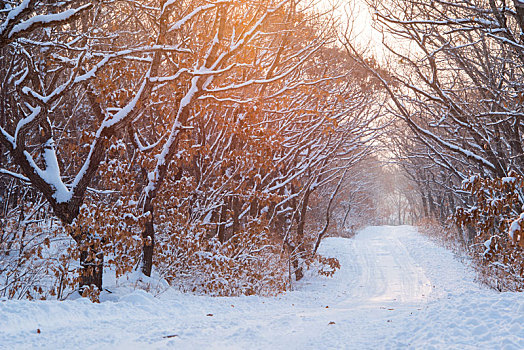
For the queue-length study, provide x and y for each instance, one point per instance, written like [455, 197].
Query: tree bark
[299, 274]
[148, 237]
[92, 263]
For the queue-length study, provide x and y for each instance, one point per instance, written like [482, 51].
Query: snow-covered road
[395, 289]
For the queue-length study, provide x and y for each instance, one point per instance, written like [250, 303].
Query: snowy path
[396, 289]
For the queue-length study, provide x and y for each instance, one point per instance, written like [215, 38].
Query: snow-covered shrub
[34, 251]
[248, 263]
[498, 245]
[213, 233]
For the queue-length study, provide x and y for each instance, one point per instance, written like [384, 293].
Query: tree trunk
[148, 237]
[222, 223]
[92, 262]
[299, 274]
[431, 203]
[236, 206]
[425, 205]
[300, 235]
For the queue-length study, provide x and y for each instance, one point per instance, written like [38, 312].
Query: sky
[363, 33]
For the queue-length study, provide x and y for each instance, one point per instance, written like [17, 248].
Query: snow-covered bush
[35, 260]
[498, 245]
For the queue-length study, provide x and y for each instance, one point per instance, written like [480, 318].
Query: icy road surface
[395, 290]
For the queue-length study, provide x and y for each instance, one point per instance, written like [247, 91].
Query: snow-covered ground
[395, 289]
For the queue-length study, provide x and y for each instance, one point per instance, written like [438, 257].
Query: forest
[213, 144]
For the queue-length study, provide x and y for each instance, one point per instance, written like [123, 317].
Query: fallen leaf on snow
[170, 336]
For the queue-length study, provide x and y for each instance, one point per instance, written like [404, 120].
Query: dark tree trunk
[148, 237]
[222, 224]
[92, 262]
[299, 274]
[236, 206]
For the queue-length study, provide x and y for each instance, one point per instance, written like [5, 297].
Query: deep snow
[395, 289]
